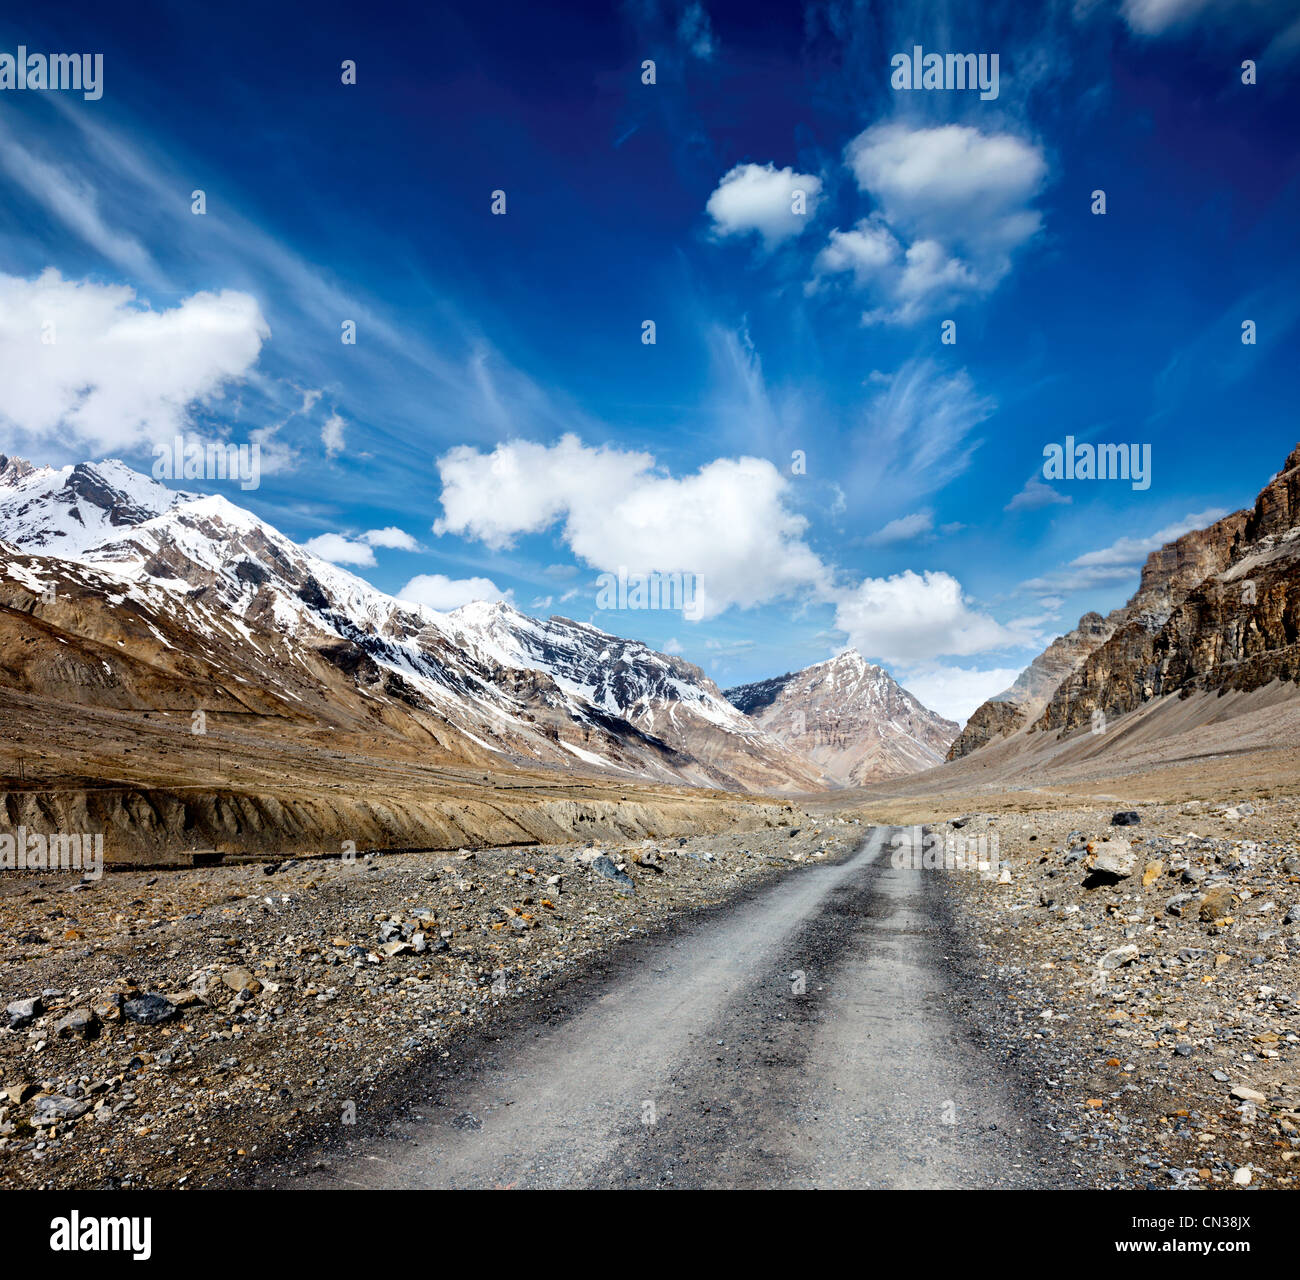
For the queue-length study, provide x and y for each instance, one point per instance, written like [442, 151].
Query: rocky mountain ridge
[1217, 608]
[850, 717]
[223, 613]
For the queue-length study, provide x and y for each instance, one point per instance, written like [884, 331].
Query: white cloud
[76, 204]
[1135, 550]
[696, 31]
[397, 539]
[444, 594]
[1163, 17]
[728, 524]
[672, 645]
[1120, 560]
[756, 197]
[337, 549]
[955, 692]
[1036, 494]
[905, 528]
[870, 251]
[951, 182]
[118, 373]
[916, 436]
[331, 435]
[952, 205]
[917, 617]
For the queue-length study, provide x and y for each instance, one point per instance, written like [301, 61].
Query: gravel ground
[187, 1027]
[1145, 982]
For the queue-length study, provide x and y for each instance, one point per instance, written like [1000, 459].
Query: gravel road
[807, 1036]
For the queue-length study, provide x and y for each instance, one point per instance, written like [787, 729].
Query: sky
[677, 287]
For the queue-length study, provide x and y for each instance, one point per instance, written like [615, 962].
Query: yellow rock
[1154, 870]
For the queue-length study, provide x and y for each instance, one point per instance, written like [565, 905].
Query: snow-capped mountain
[274, 627]
[850, 717]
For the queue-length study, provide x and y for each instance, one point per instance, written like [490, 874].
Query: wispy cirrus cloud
[1120, 561]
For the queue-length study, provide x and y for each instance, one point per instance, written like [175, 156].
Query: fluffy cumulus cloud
[444, 594]
[910, 618]
[952, 204]
[728, 524]
[90, 364]
[397, 539]
[338, 549]
[762, 198]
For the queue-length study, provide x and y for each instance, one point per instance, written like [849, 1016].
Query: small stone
[80, 1024]
[149, 1010]
[1216, 904]
[53, 1108]
[1246, 1094]
[623, 883]
[1114, 858]
[1126, 818]
[1242, 1176]
[22, 1013]
[1152, 872]
[238, 979]
[1119, 957]
[108, 1008]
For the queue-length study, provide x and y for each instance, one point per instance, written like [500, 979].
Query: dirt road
[805, 1037]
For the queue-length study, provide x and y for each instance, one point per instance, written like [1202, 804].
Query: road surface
[805, 1037]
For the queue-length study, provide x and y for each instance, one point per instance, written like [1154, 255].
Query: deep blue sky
[626, 202]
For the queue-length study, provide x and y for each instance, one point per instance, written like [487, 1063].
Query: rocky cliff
[1214, 609]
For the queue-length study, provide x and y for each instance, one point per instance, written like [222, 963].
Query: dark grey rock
[54, 1108]
[150, 1010]
[622, 882]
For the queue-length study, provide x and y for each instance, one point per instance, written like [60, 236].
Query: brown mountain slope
[850, 717]
[1237, 628]
[1216, 609]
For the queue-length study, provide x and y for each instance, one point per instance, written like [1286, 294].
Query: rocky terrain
[1145, 965]
[183, 1029]
[850, 717]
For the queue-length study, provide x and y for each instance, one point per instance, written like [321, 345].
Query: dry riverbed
[186, 1027]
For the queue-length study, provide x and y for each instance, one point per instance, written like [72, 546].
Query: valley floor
[331, 1023]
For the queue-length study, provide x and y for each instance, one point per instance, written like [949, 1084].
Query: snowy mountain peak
[70, 509]
[529, 690]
